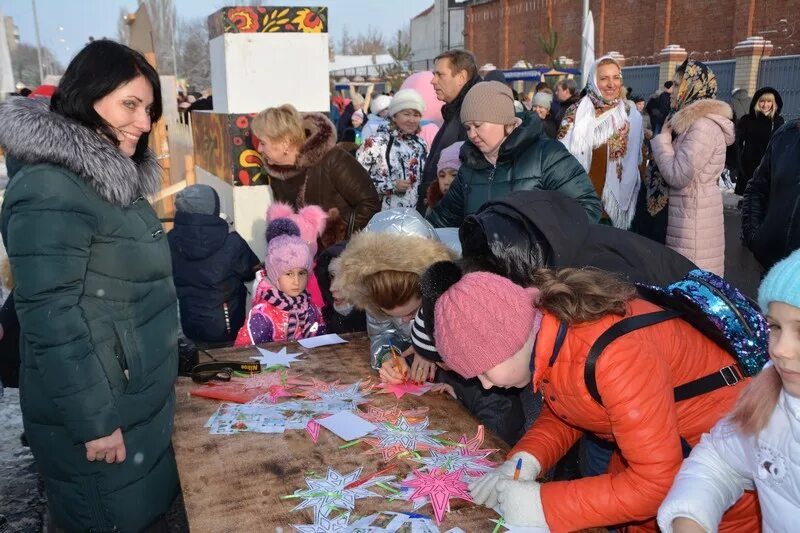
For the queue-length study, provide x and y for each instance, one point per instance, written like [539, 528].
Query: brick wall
[636, 28]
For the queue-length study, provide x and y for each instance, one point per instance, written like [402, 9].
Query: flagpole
[584, 20]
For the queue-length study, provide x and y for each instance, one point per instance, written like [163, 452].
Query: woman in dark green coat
[505, 154]
[94, 293]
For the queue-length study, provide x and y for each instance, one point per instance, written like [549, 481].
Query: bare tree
[401, 49]
[162, 18]
[194, 62]
[345, 42]
[369, 43]
[123, 30]
[25, 64]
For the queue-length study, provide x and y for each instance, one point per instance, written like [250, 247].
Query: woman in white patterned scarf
[604, 132]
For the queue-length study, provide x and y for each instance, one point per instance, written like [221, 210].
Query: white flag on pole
[587, 49]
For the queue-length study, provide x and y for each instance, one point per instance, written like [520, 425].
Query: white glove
[483, 489]
[520, 503]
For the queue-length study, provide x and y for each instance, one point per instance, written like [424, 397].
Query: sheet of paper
[322, 340]
[347, 425]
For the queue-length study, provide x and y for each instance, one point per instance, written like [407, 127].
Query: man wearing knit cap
[454, 74]
[504, 154]
[378, 115]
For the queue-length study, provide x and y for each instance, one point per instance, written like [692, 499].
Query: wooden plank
[233, 482]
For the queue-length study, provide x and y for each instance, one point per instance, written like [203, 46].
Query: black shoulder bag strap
[623, 327]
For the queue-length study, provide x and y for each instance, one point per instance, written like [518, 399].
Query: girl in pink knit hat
[487, 327]
[284, 310]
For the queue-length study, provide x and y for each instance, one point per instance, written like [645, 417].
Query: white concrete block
[250, 215]
[253, 71]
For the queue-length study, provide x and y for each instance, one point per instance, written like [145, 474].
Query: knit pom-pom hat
[285, 250]
[483, 320]
[782, 283]
[311, 221]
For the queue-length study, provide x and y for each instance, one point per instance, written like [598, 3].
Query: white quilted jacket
[726, 463]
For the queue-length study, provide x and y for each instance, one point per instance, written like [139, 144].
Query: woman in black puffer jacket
[754, 131]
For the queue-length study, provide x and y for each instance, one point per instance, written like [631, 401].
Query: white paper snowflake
[329, 493]
[407, 435]
[350, 396]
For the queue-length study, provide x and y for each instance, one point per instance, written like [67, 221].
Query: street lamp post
[38, 42]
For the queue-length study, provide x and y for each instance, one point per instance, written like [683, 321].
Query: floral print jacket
[389, 156]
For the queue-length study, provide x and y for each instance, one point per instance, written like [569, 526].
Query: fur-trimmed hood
[716, 110]
[320, 138]
[368, 253]
[30, 132]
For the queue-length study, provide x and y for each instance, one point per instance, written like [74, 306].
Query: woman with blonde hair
[756, 447]
[604, 132]
[753, 132]
[307, 168]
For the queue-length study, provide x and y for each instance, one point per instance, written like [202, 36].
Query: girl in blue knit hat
[758, 446]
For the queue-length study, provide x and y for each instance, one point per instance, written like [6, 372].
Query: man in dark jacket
[527, 230]
[210, 263]
[771, 204]
[567, 95]
[454, 75]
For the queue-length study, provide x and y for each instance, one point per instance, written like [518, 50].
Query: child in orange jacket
[508, 336]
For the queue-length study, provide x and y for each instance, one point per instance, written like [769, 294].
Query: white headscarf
[585, 131]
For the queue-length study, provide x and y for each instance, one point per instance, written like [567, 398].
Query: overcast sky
[65, 25]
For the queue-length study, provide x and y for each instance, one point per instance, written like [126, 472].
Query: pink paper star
[439, 486]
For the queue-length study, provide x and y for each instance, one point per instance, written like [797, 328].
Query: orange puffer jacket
[635, 376]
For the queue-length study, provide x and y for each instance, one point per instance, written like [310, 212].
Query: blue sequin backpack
[715, 308]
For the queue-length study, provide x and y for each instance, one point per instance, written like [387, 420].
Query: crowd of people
[502, 244]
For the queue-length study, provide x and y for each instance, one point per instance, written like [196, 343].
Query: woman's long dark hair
[96, 71]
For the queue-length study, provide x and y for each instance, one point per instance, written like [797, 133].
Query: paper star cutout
[468, 456]
[325, 525]
[473, 465]
[439, 486]
[401, 389]
[330, 493]
[377, 415]
[406, 435]
[349, 395]
[280, 357]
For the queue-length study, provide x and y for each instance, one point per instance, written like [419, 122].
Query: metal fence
[643, 79]
[783, 75]
[725, 72]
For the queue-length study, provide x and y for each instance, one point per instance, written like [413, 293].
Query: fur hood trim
[683, 119]
[320, 138]
[33, 134]
[368, 253]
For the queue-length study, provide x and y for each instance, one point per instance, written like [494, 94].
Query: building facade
[435, 30]
[505, 31]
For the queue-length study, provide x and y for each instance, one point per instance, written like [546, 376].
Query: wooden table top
[234, 482]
